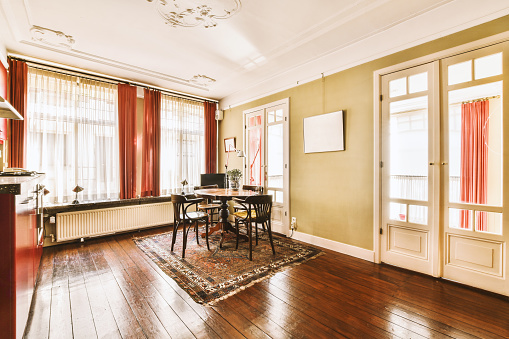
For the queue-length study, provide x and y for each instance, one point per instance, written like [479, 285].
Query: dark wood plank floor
[108, 288]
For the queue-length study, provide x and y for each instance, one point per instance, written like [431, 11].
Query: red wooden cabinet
[20, 251]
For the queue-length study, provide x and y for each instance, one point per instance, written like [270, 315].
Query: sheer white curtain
[72, 135]
[182, 143]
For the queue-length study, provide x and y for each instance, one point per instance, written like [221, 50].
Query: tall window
[72, 135]
[182, 143]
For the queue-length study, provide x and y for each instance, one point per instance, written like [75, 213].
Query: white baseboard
[353, 251]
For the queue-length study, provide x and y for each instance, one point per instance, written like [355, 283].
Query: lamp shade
[77, 189]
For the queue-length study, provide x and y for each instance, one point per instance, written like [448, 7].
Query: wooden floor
[108, 288]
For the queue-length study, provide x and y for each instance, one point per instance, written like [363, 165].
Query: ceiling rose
[202, 80]
[192, 13]
[51, 37]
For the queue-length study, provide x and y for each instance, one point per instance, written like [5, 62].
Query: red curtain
[3, 93]
[127, 142]
[474, 160]
[210, 137]
[151, 144]
[18, 74]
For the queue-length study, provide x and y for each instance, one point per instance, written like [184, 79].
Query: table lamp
[184, 183]
[76, 190]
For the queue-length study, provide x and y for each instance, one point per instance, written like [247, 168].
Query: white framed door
[409, 180]
[267, 150]
[445, 165]
[475, 168]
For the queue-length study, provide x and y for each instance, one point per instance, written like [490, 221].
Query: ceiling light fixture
[192, 13]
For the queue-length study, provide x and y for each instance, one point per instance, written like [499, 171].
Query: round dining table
[223, 195]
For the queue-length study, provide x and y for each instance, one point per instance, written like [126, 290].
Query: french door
[444, 206]
[409, 226]
[266, 143]
[475, 169]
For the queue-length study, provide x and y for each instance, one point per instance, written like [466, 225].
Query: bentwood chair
[210, 207]
[258, 211]
[238, 207]
[181, 216]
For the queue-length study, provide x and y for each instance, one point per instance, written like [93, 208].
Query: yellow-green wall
[332, 193]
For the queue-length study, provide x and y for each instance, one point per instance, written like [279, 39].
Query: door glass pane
[475, 145]
[408, 165]
[254, 157]
[279, 197]
[275, 162]
[418, 83]
[255, 120]
[489, 222]
[460, 73]
[279, 115]
[460, 219]
[271, 115]
[397, 211]
[418, 214]
[488, 66]
[397, 87]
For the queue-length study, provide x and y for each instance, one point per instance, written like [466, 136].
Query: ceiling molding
[380, 44]
[186, 13]
[118, 64]
[59, 42]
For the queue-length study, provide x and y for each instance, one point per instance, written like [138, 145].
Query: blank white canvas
[324, 133]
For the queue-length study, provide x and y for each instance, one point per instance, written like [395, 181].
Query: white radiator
[82, 224]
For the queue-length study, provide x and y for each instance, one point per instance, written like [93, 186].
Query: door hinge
[286, 213]
[381, 164]
[286, 119]
[381, 230]
[381, 97]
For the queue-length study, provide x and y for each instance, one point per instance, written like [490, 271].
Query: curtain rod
[55, 67]
[481, 99]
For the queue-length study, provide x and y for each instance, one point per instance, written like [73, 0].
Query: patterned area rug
[210, 276]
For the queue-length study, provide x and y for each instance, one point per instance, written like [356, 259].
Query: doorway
[442, 202]
[267, 150]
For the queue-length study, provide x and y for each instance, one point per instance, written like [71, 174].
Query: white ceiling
[267, 46]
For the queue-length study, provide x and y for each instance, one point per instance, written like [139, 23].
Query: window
[72, 135]
[182, 143]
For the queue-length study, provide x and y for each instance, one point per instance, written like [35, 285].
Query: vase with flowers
[234, 176]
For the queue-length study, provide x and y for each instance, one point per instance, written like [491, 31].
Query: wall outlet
[294, 223]
[52, 220]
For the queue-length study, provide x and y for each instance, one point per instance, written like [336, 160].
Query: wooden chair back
[261, 204]
[180, 205]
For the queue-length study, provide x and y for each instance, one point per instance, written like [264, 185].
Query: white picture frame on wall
[324, 133]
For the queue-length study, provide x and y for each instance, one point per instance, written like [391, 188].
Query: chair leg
[196, 232]
[206, 233]
[184, 240]
[174, 237]
[250, 231]
[237, 231]
[256, 230]
[270, 237]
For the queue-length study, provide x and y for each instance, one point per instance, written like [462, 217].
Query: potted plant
[234, 176]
